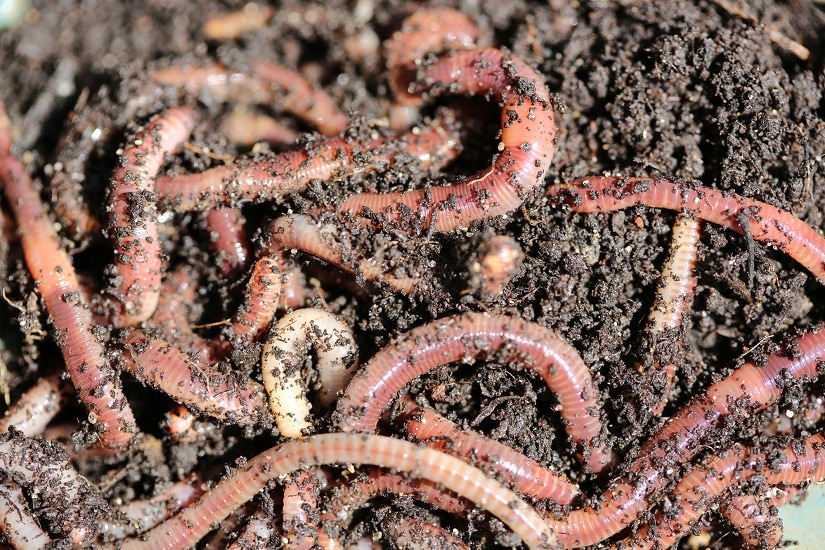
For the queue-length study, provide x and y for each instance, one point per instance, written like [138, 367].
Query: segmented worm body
[287, 344]
[272, 178]
[33, 410]
[133, 216]
[456, 475]
[17, 522]
[528, 141]
[766, 223]
[525, 474]
[97, 384]
[475, 335]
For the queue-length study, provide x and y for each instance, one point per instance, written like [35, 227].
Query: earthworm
[756, 518]
[259, 530]
[471, 336]
[229, 241]
[524, 474]
[432, 31]
[96, 383]
[18, 524]
[349, 498]
[64, 499]
[133, 216]
[698, 490]
[300, 515]
[200, 387]
[497, 262]
[768, 224]
[528, 141]
[749, 387]
[271, 84]
[674, 297]
[272, 177]
[411, 532]
[33, 411]
[232, 25]
[300, 232]
[285, 349]
[171, 317]
[247, 128]
[466, 481]
[140, 515]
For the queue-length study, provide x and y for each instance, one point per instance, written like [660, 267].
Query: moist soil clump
[667, 89]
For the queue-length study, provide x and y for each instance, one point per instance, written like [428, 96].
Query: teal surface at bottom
[805, 523]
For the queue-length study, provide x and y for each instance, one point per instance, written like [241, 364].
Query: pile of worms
[264, 364]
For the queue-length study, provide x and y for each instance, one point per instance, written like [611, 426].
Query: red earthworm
[285, 349]
[299, 232]
[195, 521]
[228, 240]
[528, 141]
[140, 515]
[171, 317]
[498, 261]
[33, 411]
[756, 518]
[180, 423]
[200, 387]
[674, 297]
[18, 524]
[411, 532]
[258, 533]
[425, 32]
[232, 25]
[245, 128]
[271, 178]
[133, 216]
[96, 383]
[767, 223]
[698, 490]
[474, 335]
[64, 499]
[524, 474]
[300, 516]
[679, 440]
[271, 84]
[349, 498]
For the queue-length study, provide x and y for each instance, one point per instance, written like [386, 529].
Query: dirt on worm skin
[670, 88]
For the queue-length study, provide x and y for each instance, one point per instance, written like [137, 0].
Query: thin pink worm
[673, 301]
[750, 387]
[701, 488]
[271, 84]
[768, 224]
[349, 498]
[66, 500]
[528, 141]
[756, 518]
[425, 32]
[229, 241]
[471, 336]
[299, 232]
[524, 474]
[300, 515]
[97, 384]
[133, 216]
[200, 387]
[140, 515]
[411, 532]
[19, 526]
[193, 523]
[33, 411]
[273, 177]
[171, 318]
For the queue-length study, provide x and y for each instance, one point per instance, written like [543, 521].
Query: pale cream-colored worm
[282, 360]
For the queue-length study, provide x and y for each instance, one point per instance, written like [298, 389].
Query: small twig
[775, 36]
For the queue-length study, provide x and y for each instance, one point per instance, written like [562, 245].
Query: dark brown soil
[664, 88]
